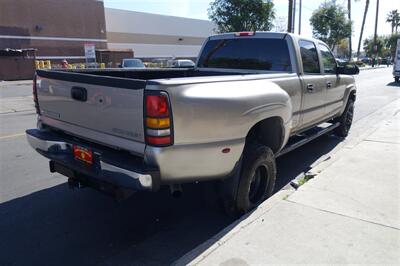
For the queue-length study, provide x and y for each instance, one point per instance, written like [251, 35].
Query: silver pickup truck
[250, 98]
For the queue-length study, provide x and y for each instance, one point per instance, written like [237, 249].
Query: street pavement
[44, 223]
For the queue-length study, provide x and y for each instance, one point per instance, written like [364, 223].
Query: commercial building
[152, 36]
[59, 29]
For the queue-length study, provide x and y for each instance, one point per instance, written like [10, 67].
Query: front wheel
[345, 120]
[256, 181]
[396, 79]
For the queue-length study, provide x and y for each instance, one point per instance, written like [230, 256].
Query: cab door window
[309, 56]
[328, 61]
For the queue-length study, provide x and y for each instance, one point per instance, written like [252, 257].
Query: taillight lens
[157, 105]
[35, 96]
[158, 124]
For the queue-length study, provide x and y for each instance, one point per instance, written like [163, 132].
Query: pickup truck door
[314, 87]
[334, 87]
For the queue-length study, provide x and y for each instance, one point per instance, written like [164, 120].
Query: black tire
[396, 79]
[256, 181]
[345, 120]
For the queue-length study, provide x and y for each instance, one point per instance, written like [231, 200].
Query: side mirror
[348, 69]
[120, 65]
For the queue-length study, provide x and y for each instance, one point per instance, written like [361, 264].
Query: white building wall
[145, 50]
[151, 35]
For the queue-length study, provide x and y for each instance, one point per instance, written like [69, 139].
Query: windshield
[133, 63]
[246, 53]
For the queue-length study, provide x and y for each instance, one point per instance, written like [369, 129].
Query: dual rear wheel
[255, 180]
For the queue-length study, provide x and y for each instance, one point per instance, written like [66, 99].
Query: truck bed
[140, 74]
[111, 110]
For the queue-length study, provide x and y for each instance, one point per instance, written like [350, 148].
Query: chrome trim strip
[144, 179]
[45, 145]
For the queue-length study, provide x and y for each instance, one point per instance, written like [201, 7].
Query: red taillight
[158, 124]
[35, 96]
[157, 105]
[161, 141]
[245, 33]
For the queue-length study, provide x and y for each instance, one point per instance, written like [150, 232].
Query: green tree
[386, 45]
[330, 24]
[391, 43]
[394, 19]
[242, 15]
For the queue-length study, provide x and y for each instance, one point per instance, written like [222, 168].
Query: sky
[198, 9]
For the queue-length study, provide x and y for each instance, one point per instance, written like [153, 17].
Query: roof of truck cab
[261, 34]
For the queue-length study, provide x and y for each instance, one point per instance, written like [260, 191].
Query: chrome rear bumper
[119, 168]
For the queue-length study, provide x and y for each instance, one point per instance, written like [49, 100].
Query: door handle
[79, 94]
[310, 88]
[329, 84]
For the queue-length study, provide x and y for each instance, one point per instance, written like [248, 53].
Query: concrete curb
[15, 82]
[371, 68]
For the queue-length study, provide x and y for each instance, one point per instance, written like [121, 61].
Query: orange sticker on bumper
[83, 154]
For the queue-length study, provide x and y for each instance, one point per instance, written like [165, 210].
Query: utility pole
[290, 16]
[349, 15]
[300, 16]
[294, 15]
[376, 28]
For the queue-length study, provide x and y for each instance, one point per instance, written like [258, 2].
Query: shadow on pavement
[57, 226]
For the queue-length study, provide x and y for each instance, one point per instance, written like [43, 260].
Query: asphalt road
[42, 222]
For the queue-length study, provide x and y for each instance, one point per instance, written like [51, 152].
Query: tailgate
[101, 108]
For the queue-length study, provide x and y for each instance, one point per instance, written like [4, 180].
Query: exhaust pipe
[176, 190]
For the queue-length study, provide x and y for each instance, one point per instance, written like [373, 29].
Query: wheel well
[268, 132]
[352, 96]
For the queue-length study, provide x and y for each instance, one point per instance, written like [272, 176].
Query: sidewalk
[376, 67]
[16, 82]
[348, 213]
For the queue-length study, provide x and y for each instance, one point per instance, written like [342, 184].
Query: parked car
[341, 62]
[183, 63]
[347, 64]
[120, 130]
[132, 63]
[366, 60]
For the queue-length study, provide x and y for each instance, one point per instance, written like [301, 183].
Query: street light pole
[349, 16]
[290, 16]
[294, 15]
[300, 17]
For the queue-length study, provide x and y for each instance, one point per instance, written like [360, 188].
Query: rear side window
[247, 53]
[328, 60]
[309, 56]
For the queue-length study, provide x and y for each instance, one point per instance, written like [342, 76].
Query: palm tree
[394, 19]
[397, 21]
[362, 27]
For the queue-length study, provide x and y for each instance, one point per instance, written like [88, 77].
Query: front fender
[350, 88]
